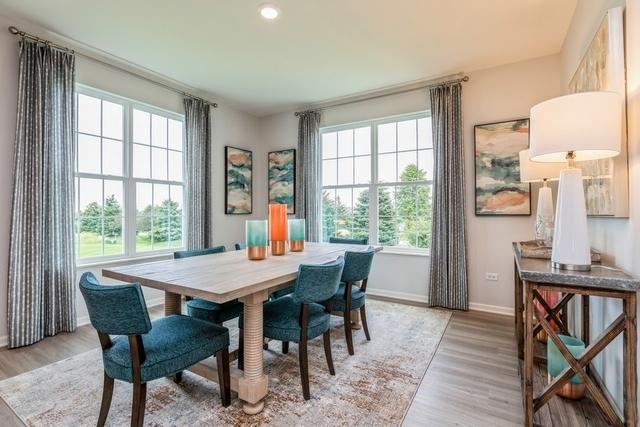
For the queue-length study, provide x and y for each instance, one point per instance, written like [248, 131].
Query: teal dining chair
[363, 241]
[207, 310]
[142, 350]
[350, 296]
[240, 246]
[304, 314]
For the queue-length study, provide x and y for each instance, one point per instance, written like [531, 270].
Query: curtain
[448, 274]
[308, 188]
[197, 174]
[41, 290]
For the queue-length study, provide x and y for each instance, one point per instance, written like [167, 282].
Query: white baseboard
[84, 320]
[403, 296]
[496, 309]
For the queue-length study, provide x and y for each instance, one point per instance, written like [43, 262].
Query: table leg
[586, 325]
[528, 355]
[518, 309]
[629, 361]
[172, 303]
[253, 385]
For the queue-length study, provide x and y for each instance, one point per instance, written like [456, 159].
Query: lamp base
[544, 216]
[571, 248]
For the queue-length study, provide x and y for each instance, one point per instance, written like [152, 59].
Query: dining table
[225, 277]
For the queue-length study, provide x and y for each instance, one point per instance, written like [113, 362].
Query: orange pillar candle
[277, 228]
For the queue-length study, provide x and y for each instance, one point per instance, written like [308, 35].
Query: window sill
[408, 252]
[122, 261]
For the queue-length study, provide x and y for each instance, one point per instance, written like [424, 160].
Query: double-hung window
[377, 181]
[129, 185]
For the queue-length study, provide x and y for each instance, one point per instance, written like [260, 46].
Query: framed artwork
[497, 168]
[282, 178]
[238, 171]
[606, 181]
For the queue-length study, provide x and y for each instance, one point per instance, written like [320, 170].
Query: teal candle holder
[257, 237]
[556, 363]
[296, 235]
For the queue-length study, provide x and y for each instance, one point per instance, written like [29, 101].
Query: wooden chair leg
[224, 378]
[241, 349]
[304, 368]
[177, 377]
[285, 347]
[107, 394]
[347, 331]
[139, 400]
[363, 319]
[326, 337]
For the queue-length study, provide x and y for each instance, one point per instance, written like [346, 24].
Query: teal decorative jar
[257, 237]
[296, 235]
[556, 363]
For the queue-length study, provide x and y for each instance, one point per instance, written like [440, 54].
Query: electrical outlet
[491, 276]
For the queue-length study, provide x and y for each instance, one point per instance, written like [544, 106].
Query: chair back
[357, 265]
[198, 252]
[240, 246]
[318, 283]
[115, 309]
[363, 241]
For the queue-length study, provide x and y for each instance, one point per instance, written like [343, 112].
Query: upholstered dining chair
[363, 241]
[350, 296]
[305, 314]
[240, 246]
[143, 350]
[207, 310]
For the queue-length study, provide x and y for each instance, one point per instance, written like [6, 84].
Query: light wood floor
[472, 379]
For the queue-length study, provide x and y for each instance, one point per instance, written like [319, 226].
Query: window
[377, 181]
[129, 185]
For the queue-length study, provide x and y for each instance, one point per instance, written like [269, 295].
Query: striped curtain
[308, 188]
[197, 174]
[41, 294]
[448, 274]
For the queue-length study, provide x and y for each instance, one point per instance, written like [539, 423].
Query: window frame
[374, 186]
[127, 178]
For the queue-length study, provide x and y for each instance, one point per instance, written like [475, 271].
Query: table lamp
[541, 172]
[579, 127]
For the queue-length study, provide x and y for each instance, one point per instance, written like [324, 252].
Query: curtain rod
[382, 95]
[16, 32]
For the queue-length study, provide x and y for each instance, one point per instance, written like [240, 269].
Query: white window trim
[374, 185]
[129, 182]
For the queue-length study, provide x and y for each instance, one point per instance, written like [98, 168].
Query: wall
[229, 127]
[617, 238]
[493, 94]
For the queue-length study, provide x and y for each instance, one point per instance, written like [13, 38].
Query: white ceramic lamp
[578, 127]
[541, 172]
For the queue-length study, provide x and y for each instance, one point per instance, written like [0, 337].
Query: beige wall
[617, 238]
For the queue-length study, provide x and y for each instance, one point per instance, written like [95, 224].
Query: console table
[534, 275]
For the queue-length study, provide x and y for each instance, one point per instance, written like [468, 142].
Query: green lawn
[90, 245]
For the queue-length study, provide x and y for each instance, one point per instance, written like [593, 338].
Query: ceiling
[315, 51]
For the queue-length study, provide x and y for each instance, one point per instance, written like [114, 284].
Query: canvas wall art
[282, 178]
[238, 173]
[497, 166]
[606, 181]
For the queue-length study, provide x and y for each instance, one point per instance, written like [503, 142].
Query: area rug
[373, 388]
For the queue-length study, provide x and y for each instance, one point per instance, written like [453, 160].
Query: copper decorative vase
[296, 245]
[256, 253]
[570, 390]
[278, 247]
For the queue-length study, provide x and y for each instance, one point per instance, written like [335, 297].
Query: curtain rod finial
[13, 30]
[465, 79]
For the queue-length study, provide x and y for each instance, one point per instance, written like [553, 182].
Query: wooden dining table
[225, 277]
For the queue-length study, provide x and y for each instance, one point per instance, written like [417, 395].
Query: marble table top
[601, 276]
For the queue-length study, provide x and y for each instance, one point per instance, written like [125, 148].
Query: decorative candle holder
[278, 228]
[296, 235]
[256, 236]
[556, 363]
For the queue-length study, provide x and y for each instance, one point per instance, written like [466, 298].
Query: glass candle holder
[296, 235]
[277, 228]
[556, 363]
[256, 236]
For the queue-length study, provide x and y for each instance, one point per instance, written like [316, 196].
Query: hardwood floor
[472, 379]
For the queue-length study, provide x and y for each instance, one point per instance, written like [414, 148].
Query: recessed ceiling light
[269, 11]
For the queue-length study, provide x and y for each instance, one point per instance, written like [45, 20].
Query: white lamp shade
[587, 123]
[536, 171]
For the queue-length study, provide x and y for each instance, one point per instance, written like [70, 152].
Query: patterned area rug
[374, 387]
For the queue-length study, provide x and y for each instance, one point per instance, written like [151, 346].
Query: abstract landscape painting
[238, 171]
[282, 178]
[498, 187]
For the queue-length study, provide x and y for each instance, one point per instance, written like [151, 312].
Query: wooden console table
[534, 275]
